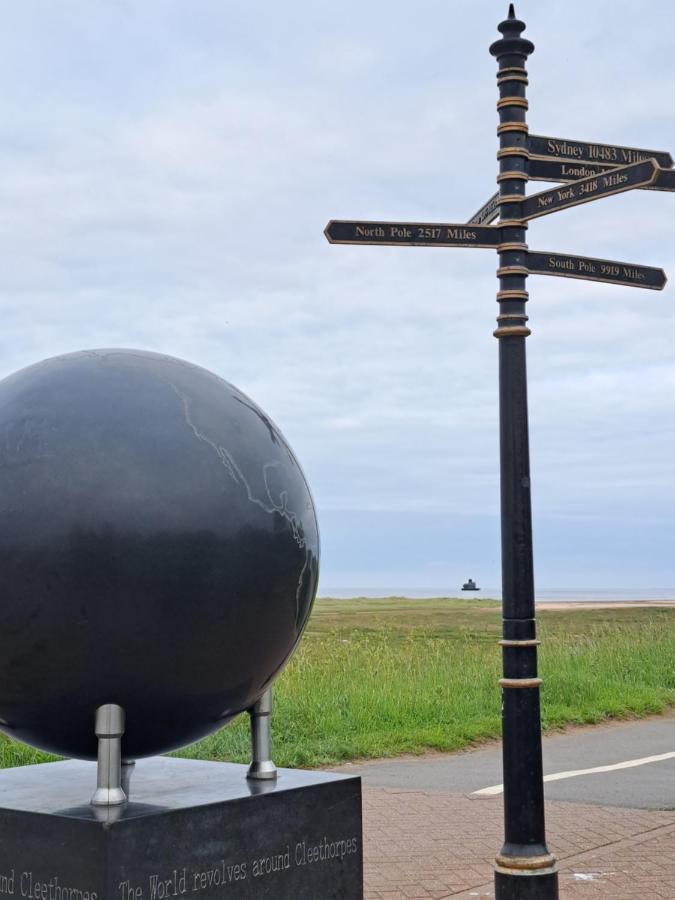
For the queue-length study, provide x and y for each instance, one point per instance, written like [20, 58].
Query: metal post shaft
[524, 867]
[109, 730]
[262, 768]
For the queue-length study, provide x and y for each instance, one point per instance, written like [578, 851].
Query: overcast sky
[166, 172]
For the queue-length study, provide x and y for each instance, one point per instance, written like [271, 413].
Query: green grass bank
[379, 677]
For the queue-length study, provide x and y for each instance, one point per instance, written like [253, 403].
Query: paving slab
[423, 844]
[427, 835]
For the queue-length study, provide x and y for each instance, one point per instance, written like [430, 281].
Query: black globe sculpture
[158, 550]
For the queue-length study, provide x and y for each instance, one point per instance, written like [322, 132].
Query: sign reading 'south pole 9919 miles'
[590, 269]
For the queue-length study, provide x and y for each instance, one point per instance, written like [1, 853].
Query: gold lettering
[588, 187]
[614, 180]
[576, 171]
[631, 156]
[461, 234]
[400, 231]
[560, 262]
[562, 148]
[370, 231]
[634, 274]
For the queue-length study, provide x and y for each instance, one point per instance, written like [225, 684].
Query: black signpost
[524, 867]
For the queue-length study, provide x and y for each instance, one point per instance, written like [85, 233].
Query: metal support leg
[109, 731]
[262, 768]
[128, 769]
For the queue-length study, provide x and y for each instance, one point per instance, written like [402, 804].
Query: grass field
[378, 677]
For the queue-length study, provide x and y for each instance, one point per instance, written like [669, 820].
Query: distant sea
[577, 595]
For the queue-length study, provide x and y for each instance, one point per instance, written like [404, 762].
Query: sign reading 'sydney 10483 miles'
[587, 151]
[623, 178]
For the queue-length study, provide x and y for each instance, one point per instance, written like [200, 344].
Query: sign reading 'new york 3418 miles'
[616, 181]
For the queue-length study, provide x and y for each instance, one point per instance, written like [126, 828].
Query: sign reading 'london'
[624, 178]
[560, 170]
[411, 234]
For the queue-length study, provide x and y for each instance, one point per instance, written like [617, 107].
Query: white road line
[572, 773]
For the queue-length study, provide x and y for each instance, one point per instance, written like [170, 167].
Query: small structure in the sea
[470, 585]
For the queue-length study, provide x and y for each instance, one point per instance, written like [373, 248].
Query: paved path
[428, 834]
[646, 785]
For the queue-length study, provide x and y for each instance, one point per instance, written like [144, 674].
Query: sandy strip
[607, 604]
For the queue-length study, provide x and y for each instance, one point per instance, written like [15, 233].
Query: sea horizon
[550, 595]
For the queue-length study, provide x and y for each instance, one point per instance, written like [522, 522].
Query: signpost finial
[511, 42]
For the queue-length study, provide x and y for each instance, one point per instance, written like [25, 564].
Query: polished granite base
[191, 829]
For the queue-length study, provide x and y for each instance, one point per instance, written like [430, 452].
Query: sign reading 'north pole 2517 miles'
[605, 184]
[411, 234]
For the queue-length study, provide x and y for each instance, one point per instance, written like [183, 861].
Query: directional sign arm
[586, 151]
[590, 269]
[411, 234]
[562, 170]
[604, 184]
[665, 181]
[488, 212]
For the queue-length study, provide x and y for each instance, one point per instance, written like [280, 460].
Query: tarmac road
[645, 783]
